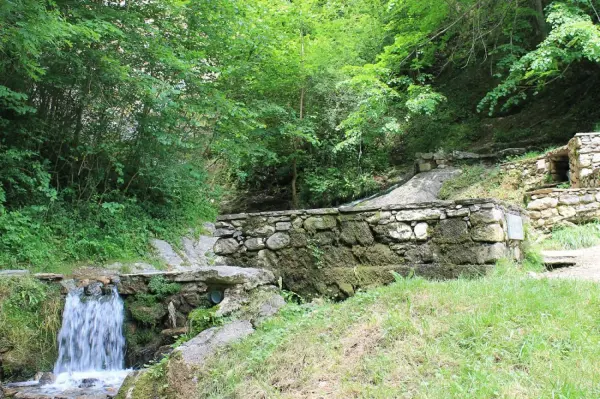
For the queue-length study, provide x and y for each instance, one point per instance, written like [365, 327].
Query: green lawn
[504, 336]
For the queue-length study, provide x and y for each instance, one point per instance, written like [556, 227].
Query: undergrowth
[60, 237]
[30, 317]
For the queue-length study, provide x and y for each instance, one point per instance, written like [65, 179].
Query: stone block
[422, 231]
[262, 230]
[568, 199]
[486, 216]
[255, 244]
[566, 211]
[471, 253]
[226, 246]
[585, 172]
[542, 203]
[541, 165]
[353, 233]
[283, 226]
[488, 233]
[548, 213]
[425, 166]
[409, 215]
[586, 199]
[455, 213]
[378, 217]
[535, 214]
[278, 241]
[451, 231]
[397, 232]
[320, 223]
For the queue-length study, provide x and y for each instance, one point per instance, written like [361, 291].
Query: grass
[477, 181]
[30, 317]
[503, 336]
[574, 237]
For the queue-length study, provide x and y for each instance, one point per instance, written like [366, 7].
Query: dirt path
[587, 264]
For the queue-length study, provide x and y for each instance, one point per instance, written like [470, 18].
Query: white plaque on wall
[515, 227]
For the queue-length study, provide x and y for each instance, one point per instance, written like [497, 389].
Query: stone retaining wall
[334, 251]
[584, 157]
[549, 207]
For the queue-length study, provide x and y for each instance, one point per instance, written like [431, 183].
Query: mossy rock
[150, 314]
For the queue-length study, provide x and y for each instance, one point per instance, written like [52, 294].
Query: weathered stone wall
[584, 157]
[334, 251]
[547, 169]
[549, 207]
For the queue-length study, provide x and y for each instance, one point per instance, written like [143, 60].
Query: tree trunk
[542, 27]
[295, 200]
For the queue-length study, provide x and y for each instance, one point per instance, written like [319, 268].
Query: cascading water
[91, 337]
[91, 346]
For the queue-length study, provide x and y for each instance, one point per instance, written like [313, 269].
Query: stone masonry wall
[334, 251]
[584, 157]
[549, 207]
[540, 171]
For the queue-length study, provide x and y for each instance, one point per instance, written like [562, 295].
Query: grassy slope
[499, 337]
[482, 182]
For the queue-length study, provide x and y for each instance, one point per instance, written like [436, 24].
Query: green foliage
[148, 308]
[201, 319]
[160, 288]
[574, 237]
[30, 317]
[574, 38]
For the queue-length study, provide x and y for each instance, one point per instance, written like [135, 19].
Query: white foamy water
[91, 337]
[91, 346]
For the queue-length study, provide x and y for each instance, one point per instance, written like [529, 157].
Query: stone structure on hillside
[577, 166]
[426, 161]
[546, 170]
[334, 251]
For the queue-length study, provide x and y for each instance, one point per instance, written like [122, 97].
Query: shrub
[30, 318]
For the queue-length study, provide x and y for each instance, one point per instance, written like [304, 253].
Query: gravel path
[587, 264]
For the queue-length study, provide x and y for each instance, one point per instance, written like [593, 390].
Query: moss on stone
[147, 313]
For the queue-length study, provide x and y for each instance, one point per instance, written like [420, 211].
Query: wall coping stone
[562, 190]
[392, 207]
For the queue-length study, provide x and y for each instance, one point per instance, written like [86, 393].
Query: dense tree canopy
[123, 119]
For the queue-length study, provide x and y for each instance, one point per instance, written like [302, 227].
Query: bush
[54, 238]
[30, 318]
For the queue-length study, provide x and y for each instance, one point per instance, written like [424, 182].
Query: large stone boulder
[195, 351]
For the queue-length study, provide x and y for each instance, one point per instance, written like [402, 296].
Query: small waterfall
[91, 338]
